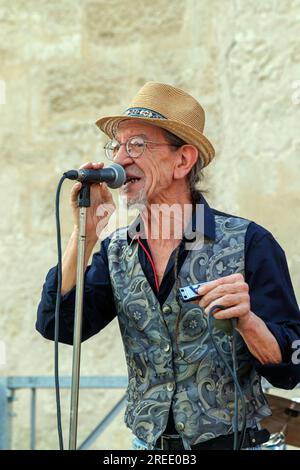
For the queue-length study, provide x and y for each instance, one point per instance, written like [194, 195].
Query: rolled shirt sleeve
[98, 302]
[273, 300]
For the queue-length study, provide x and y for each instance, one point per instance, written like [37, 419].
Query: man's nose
[122, 157]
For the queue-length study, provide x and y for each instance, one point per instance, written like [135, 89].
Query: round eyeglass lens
[135, 146]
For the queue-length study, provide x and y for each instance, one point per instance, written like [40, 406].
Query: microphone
[114, 175]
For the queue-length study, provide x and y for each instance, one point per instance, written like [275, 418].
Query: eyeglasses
[135, 147]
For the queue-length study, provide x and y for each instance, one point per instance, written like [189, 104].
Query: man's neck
[165, 220]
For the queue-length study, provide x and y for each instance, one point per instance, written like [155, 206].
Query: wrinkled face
[150, 175]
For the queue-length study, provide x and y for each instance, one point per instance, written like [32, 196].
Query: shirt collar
[197, 222]
[209, 218]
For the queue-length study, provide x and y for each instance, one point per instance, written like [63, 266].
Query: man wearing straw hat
[180, 393]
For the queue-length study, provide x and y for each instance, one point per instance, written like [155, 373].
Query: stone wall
[65, 63]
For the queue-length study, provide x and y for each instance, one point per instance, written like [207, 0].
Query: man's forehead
[130, 126]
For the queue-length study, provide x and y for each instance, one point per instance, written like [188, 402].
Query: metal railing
[10, 385]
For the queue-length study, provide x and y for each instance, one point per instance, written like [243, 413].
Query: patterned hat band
[143, 112]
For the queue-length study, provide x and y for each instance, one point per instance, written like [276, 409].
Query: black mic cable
[238, 443]
[57, 316]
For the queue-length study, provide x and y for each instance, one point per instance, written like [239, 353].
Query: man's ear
[186, 159]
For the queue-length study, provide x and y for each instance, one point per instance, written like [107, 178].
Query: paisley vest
[172, 363]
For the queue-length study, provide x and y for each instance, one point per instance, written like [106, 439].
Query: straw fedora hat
[169, 108]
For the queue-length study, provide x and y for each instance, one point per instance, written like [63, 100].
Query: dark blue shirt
[266, 272]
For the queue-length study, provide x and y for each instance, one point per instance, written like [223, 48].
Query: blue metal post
[5, 415]
[33, 419]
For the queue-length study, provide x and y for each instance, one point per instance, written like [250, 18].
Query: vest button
[170, 387]
[166, 309]
[180, 426]
[167, 348]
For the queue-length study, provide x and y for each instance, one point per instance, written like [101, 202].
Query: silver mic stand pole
[83, 203]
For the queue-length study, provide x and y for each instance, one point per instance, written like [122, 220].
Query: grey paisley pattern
[181, 371]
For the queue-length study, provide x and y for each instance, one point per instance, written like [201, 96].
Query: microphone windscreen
[120, 176]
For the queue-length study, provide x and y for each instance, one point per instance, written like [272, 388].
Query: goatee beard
[135, 202]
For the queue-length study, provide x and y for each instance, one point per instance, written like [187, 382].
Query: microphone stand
[83, 200]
